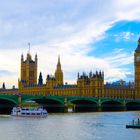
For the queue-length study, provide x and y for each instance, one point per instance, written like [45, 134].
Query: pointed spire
[139, 41]
[90, 74]
[84, 74]
[58, 64]
[40, 80]
[96, 73]
[59, 59]
[36, 57]
[29, 47]
[3, 85]
[78, 75]
[22, 57]
[102, 74]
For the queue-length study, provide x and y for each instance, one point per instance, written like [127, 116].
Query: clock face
[138, 58]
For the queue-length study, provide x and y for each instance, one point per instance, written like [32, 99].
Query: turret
[78, 75]
[22, 58]
[36, 58]
[50, 81]
[83, 80]
[90, 74]
[29, 57]
[102, 74]
[97, 84]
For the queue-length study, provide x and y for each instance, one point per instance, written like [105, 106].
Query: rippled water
[75, 126]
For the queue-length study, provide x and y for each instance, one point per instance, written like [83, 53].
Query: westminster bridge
[65, 103]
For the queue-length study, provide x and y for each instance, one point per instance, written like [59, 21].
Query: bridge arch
[111, 105]
[86, 99]
[111, 100]
[84, 104]
[52, 104]
[133, 105]
[37, 98]
[9, 99]
[6, 105]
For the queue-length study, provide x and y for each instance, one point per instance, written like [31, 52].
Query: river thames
[71, 126]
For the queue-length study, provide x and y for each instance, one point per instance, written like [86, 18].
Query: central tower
[28, 70]
[137, 70]
[59, 73]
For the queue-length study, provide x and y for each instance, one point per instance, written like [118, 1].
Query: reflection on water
[72, 126]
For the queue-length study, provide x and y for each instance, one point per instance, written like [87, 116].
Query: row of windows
[31, 73]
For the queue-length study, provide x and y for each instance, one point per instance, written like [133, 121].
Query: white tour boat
[29, 112]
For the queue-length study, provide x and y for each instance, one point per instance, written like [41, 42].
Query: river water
[71, 126]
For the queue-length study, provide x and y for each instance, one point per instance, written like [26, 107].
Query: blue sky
[89, 35]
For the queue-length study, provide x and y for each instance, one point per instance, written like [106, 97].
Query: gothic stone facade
[91, 85]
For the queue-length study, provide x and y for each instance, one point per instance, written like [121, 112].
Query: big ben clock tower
[137, 71]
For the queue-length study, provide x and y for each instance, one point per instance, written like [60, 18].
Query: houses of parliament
[90, 85]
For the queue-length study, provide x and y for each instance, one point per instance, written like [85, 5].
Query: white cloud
[126, 36]
[65, 28]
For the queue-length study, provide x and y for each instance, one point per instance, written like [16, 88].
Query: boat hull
[29, 116]
[29, 112]
[133, 126]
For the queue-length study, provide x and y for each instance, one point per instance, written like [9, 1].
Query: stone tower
[59, 73]
[137, 70]
[28, 70]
